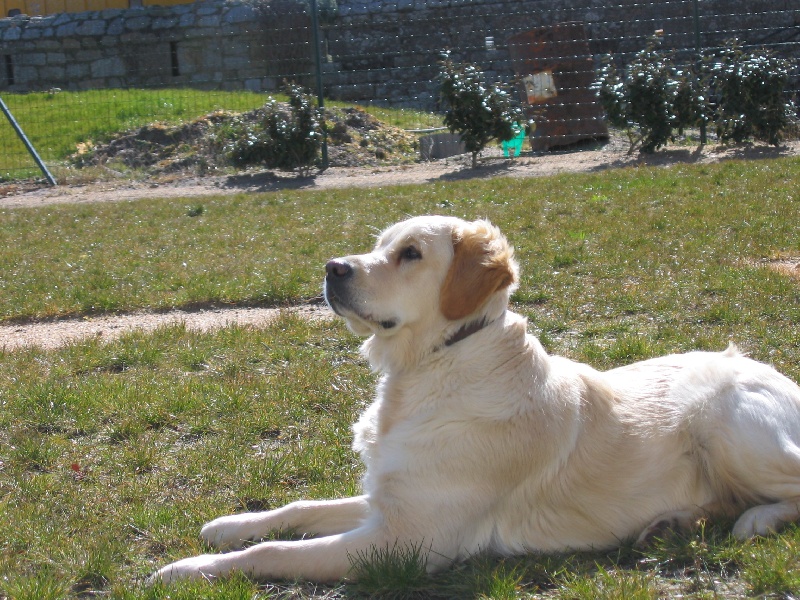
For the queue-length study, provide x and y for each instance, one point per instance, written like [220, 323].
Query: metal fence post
[699, 63]
[318, 65]
[31, 150]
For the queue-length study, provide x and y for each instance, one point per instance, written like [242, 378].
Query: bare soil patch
[588, 158]
[786, 266]
[54, 334]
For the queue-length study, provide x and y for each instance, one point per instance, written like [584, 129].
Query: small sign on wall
[539, 87]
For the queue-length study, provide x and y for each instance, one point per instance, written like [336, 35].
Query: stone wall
[379, 50]
[209, 45]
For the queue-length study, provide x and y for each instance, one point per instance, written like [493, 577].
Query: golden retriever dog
[479, 441]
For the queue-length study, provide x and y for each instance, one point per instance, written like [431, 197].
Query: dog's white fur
[478, 440]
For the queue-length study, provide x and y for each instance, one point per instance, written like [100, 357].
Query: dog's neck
[412, 344]
[466, 330]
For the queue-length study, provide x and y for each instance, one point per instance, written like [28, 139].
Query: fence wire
[72, 78]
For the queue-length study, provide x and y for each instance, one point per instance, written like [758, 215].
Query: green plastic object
[513, 147]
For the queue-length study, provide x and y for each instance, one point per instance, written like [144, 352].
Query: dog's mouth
[342, 306]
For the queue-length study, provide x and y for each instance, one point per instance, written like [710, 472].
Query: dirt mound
[356, 138]
[201, 146]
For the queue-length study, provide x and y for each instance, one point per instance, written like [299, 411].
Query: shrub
[748, 92]
[652, 99]
[287, 141]
[478, 113]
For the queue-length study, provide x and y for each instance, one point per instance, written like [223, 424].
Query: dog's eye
[411, 253]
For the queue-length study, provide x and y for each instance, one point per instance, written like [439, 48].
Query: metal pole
[699, 63]
[318, 63]
[28, 145]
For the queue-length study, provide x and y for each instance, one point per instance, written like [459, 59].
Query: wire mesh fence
[73, 77]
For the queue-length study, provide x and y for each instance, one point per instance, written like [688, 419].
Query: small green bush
[283, 141]
[742, 93]
[651, 100]
[478, 113]
[748, 89]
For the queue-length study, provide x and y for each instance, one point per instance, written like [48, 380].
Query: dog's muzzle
[338, 293]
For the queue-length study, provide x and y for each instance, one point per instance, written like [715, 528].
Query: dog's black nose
[338, 269]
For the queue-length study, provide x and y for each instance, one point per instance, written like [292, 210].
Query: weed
[391, 572]
[196, 210]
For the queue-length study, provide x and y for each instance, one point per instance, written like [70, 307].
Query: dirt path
[588, 159]
[53, 334]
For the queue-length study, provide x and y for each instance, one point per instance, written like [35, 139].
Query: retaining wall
[211, 45]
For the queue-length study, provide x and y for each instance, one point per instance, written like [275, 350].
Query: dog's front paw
[204, 566]
[231, 532]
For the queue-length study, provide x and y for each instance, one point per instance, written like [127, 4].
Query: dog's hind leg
[675, 521]
[312, 517]
[767, 518]
[749, 441]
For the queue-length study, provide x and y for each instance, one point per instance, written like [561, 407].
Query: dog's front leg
[314, 517]
[322, 559]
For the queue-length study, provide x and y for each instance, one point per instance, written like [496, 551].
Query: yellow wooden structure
[49, 7]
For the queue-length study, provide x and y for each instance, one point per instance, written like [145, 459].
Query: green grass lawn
[112, 456]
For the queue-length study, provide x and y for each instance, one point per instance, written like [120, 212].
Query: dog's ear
[483, 263]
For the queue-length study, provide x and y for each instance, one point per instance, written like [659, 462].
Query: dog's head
[426, 278]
